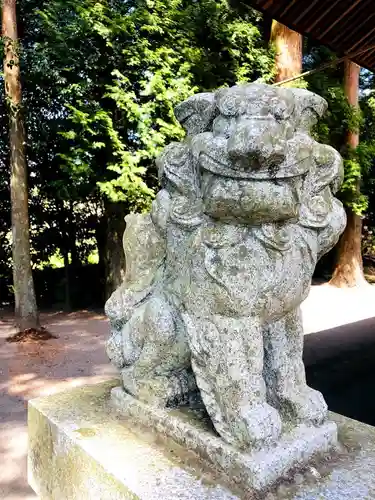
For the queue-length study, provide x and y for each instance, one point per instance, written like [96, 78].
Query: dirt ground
[29, 370]
[342, 318]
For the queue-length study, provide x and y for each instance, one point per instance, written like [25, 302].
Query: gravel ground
[340, 326]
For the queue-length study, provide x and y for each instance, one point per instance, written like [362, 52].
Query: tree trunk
[100, 236]
[348, 270]
[26, 312]
[115, 257]
[288, 45]
[67, 300]
[109, 237]
[72, 238]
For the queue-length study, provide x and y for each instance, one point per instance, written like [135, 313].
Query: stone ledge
[257, 470]
[79, 449]
[82, 449]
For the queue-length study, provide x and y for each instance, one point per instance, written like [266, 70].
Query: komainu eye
[279, 110]
[222, 126]
[229, 105]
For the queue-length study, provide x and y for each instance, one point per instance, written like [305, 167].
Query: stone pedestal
[81, 447]
[251, 470]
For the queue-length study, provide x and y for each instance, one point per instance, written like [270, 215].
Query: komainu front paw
[255, 426]
[114, 350]
[307, 406]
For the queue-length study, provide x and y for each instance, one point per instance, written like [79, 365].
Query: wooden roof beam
[291, 3]
[358, 27]
[345, 13]
[268, 4]
[306, 11]
[318, 19]
[362, 40]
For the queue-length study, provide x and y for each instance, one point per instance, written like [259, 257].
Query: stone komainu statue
[217, 271]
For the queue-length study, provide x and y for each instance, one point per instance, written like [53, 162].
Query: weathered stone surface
[245, 211]
[254, 470]
[147, 344]
[80, 449]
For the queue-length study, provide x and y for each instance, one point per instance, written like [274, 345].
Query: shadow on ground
[340, 362]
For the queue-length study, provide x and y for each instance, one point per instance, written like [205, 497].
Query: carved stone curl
[218, 270]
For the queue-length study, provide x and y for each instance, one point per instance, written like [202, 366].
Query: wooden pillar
[348, 271]
[288, 46]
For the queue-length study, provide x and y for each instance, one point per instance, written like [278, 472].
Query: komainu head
[259, 135]
[249, 131]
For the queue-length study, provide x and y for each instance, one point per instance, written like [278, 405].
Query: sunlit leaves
[150, 55]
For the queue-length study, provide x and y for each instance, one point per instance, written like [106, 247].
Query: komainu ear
[177, 166]
[309, 108]
[197, 113]
[320, 185]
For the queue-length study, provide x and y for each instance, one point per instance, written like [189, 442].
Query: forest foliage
[100, 81]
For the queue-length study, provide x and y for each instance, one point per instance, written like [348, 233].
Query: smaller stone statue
[217, 271]
[148, 342]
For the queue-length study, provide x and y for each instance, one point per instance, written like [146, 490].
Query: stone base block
[254, 470]
[81, 448]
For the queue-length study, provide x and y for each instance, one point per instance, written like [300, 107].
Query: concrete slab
[81, 448]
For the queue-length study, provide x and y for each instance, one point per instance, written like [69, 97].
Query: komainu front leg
[227, 359]
[284, 372]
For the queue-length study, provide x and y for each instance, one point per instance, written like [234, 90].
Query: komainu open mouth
[251, 169]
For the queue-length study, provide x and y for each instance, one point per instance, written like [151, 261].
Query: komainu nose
[256, 143]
